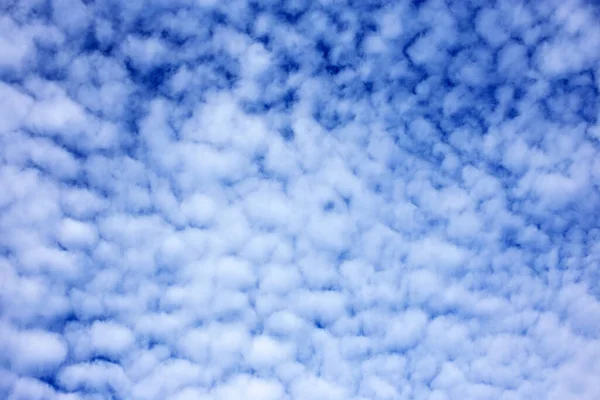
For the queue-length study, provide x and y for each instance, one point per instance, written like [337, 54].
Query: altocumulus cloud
[324, 200]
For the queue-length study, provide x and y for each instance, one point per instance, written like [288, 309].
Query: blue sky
[293, 200]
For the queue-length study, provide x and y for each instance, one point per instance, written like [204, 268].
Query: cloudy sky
[299, 200]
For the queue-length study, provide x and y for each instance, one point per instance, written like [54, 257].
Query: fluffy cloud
[302, 200]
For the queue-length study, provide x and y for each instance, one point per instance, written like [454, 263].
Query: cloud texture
[324, 200]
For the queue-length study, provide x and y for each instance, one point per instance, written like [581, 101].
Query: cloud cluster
[324, 200]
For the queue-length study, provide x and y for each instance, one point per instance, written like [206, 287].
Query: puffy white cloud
[97, 376]
[312, 387]
[406, 329]
[267, 352]
[57, 115]
[110, 338]
[29, 388]
[205, 200]
[74, 234]
[15, 107]
[199, 209]
[244, 386]
[17, 44]
[33, 352]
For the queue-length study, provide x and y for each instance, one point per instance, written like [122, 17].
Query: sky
[299, 200]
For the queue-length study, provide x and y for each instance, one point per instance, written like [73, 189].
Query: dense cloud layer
[299, 200]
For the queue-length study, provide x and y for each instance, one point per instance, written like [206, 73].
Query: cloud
[324, 200]
[34, 352]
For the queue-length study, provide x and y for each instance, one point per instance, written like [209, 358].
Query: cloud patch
[302, 200]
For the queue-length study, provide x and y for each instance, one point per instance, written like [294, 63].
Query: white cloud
[34, 352]
[15, 106]
[110, 338]
[199, 209]
[167, 378]
[490, 25]
[405, 329]
[98, 376]
[58, 115]
[267, 352]
[244, 386]
[219, 201]
[29, 388]
[311, 387]
[439, 255]
[16, 44]
[74, 234]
